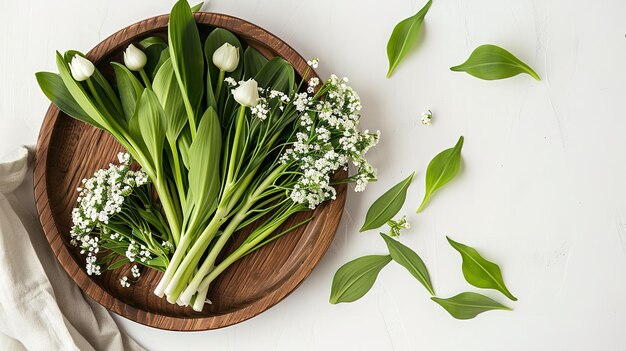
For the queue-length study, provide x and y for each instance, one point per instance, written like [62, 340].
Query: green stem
[177, 173]
[234, 155]
[145, 78]
[185, 269]
[241, 215]
[94, 92]
[218, 87]
[168, 207]
[179, 254]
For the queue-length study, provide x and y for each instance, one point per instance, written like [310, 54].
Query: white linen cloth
[41, 308]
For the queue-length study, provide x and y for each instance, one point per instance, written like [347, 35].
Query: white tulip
[247, 93]
[82, 69]
[134, 58]
[226, 57]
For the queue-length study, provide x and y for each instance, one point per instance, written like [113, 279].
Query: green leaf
[253, 61]
[198, 7]
[387, 206]
[491, 62]
[151, 123]
[184, 143]
[105, 90]
[217, 38]
[479, 272]
[355, 278]
[156, 52]
[409, 260]
[167, 91]
[52, 86]
[442, 169]
[79, 94]
[204, 163]
[186, 54]
[118, 264]
[129, 87]
[468, 305]
[404, 37]
[277, 74]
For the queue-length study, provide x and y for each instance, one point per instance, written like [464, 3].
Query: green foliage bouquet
[224, 137]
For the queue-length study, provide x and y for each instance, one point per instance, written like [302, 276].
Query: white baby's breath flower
[427, 118]
[313, 63]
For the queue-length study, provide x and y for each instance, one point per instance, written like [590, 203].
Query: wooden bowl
[68, 151]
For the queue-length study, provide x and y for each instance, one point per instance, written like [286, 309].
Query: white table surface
[542, 191]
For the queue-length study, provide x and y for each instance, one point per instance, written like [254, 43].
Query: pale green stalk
[218, 87]
[241, 215]
[145, 78]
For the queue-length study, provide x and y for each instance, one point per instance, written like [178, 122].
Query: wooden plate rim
[53, 235]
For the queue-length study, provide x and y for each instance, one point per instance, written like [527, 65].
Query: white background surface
[542, 191]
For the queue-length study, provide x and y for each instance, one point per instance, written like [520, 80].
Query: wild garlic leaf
[156, 52]
[204, 163]
[387, 206]
[52, 86]
[490, 62]
[277, 74]
[442, 169]
[79, 94]
[253, 61]
[167, 91]
[186, 54]
[468, 305]
[105, 90]
[407, 258]
[151, 121]
[355, 278]
[197, 7]
[479, 272]
[129, 87]
[404, 37]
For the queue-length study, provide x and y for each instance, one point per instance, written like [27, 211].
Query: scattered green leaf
[492, 62]
[442, 169]
[404, 37]
[355, 278]
[387, 206]
[407, 258]
[479, 272]
[468, 305]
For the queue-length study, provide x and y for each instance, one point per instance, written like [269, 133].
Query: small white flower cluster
[125, 282]
[261, 109]
[134, 270]
[137, 252]
[267, 99]
[395, 226]
[313, 63]
[427, 118]
[313, 82]
[230, 81]
[168, 247]
[329, 142]
[100, 198]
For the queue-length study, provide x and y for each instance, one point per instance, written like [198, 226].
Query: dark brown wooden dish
[68, 151]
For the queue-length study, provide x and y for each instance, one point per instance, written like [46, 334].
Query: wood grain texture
[68, 151]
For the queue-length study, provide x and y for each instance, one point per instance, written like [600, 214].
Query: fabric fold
[41, 308]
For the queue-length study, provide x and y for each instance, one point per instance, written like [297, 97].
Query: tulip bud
[134, 58]
[82, 69]
[226, 57]
[247, 94]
